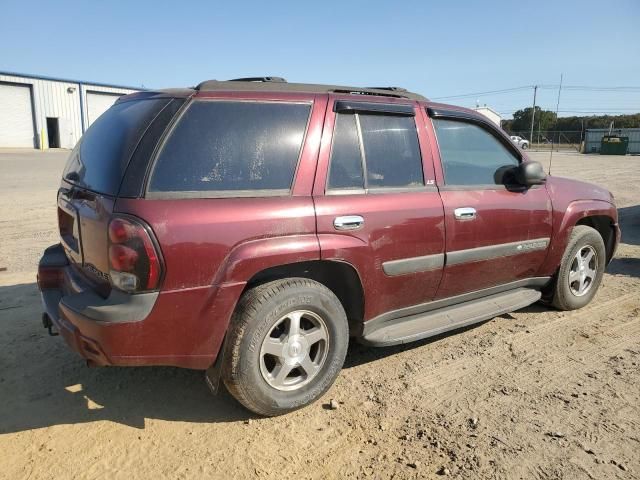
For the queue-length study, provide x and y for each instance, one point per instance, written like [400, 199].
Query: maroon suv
[250, 227]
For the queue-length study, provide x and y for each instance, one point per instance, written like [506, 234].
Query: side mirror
[530, 173]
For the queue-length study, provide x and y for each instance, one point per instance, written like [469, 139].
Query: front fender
[563, 223]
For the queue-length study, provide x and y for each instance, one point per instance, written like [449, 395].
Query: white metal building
[490, 113]
[44, 112]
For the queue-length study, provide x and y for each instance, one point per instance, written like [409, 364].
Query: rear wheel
[581, 270]
[286, 345]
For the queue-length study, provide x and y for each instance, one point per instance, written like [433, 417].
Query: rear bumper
[167, 328]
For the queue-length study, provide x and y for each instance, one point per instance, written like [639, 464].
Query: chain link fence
[558, 139]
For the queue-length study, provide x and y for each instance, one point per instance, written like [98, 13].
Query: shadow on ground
[43, 383]
[629, 220]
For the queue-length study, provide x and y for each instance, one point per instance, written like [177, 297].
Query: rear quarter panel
[212, 246]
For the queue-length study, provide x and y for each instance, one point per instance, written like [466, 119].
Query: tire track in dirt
[464, 367]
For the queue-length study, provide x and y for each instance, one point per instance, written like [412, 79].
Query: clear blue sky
[437, 48]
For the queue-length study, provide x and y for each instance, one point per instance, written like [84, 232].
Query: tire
[265, 320]
[569, 282]
[525, 146]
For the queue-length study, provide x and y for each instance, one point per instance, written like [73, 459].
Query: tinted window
[346, 161]
[391, 152]
[470, 154]
[101, 157]
[231, 146]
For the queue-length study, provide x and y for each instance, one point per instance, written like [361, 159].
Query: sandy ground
[535, 394]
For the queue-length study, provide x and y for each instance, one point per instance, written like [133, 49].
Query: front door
[377, 206]
[495, 233]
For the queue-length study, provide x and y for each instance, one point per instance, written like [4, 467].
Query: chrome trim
[465, 213]
[413, 265]
[495, 251]
[348, 222]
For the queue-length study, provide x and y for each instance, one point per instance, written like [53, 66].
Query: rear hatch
[91, 181]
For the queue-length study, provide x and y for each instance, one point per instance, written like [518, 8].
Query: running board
[423, 325]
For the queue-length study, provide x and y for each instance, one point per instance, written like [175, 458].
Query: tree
[544, 120]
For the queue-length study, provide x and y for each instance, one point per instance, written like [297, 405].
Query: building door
[16, 116]
[98, 103]
[53, 132]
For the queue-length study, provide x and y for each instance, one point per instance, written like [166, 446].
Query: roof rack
[277, 84]
[367, 91]
[391, 89]
[259, 79]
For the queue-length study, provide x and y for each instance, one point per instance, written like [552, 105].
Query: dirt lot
[536, 394]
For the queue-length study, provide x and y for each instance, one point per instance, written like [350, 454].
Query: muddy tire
[286, 345]
[581, 269]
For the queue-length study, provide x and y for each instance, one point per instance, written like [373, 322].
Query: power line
[491, 92]
[545, 87]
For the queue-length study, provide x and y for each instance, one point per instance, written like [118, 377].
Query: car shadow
[629, 220]
[43, 383]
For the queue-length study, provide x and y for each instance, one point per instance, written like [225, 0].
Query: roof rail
[380, 92]
[275, 84]
[260, 79]
[391, 89]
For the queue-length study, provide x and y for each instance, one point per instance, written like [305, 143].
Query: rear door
[496, 233]
[376, 203]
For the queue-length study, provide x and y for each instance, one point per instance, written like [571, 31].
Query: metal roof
[66, 80]
[277, 84]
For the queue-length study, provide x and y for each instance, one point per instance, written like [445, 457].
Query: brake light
[134, 261]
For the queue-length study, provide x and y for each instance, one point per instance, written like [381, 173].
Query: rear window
[232, 147]
[100, 158]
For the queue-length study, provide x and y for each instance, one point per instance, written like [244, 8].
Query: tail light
[134, 259]
[50, 277]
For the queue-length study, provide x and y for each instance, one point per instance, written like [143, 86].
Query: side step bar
[428, 324]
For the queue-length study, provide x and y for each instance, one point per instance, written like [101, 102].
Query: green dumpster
[614, 145]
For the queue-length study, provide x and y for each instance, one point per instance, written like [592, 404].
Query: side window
[345, 171]
[220, 146]
[471, 155]
[391, 151]
[391, 156]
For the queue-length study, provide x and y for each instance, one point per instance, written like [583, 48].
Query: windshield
[100, 158]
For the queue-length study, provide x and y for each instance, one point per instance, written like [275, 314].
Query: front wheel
[287, 343]
[581, 269]
[525, 146]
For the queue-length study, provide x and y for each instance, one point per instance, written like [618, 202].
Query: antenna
[556, 125]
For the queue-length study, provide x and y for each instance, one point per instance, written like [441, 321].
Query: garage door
[98, 103]
[16, 120]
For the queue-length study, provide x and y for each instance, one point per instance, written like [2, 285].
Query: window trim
[363, 157]
[486, 125]
[213, 194]
[395, 109]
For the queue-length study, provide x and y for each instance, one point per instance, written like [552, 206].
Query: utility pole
[533, 112]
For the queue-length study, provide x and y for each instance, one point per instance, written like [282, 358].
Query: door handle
[348, 222]
[465, 213]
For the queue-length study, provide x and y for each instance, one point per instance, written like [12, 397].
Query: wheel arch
[340, 277]
[598, 214]
[605, 226]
